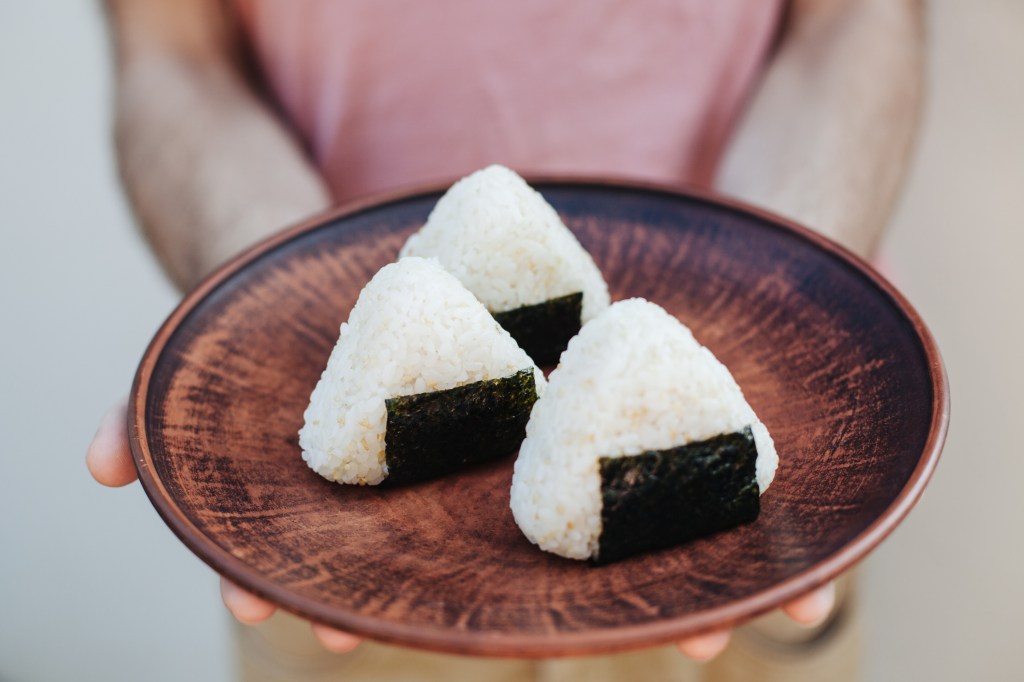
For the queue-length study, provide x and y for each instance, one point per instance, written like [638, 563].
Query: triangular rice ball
[509, 247]
[422, 381]
[641, 440]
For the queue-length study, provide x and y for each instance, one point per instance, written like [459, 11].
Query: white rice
[634, 379]
[507, 245]
[414, 329]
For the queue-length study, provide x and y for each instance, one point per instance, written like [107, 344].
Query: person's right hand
[109, 459]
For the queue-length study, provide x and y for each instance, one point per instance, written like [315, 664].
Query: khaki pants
[769, 649]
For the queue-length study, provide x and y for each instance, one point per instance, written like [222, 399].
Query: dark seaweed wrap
[662, 498]
[543, 330]
[431, 434]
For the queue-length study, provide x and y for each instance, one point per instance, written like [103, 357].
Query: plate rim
[522, 645]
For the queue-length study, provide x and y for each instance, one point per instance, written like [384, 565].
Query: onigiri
[642, 440]
[422, 381]
[509, 247]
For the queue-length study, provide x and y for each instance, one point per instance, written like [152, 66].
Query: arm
[825, 141]
[207, 166]
[208, 170]
[826, 138]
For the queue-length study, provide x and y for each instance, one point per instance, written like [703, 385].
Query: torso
[387, 93]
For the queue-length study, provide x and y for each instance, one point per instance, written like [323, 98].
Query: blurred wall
[93, 586]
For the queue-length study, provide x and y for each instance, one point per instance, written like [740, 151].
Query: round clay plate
[832, 358]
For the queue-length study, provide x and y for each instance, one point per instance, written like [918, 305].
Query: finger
[812, 608]
[703, 648]
[335, 640]
[109, 456]
[244, 606]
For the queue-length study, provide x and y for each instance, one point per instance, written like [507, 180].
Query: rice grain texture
[633, 380]
[507, 245]
[414, 329]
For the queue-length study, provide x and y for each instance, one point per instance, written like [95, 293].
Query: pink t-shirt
[389, 93]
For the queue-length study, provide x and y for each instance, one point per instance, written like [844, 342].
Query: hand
[809, 610]
[249, 609]
[109, 459]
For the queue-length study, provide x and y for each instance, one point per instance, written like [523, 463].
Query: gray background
[94, 587]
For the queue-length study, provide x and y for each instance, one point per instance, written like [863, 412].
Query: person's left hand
[109, 460]
[809, 610]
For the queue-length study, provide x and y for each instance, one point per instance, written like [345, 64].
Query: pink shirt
[387, 93]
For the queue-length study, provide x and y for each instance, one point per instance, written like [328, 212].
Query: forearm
[826, 138]
[207, 167]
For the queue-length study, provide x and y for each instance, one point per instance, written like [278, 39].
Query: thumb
[109, 457]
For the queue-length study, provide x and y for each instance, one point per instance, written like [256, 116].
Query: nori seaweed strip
[662, 498]
[431, 434]
[543, 330]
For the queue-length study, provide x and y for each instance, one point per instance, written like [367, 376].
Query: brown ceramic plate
[833, 359]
